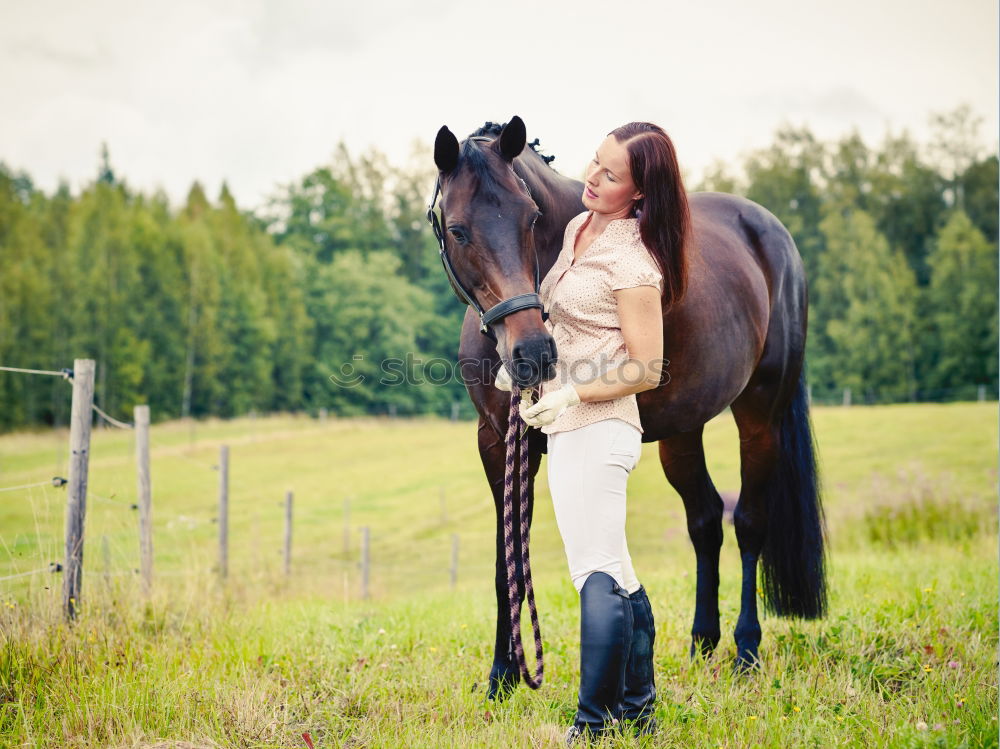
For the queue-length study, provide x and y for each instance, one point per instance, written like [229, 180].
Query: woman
[620, 267]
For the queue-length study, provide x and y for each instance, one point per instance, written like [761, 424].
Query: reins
[517, 443]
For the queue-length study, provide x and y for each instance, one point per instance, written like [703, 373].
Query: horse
[736, 339]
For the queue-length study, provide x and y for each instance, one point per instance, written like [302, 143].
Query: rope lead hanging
[517, 443]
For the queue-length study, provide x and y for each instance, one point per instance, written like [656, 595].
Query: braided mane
[494, 128]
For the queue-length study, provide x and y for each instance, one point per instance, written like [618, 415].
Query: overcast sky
[259, 92]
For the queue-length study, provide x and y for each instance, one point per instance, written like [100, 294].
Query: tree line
[210, 310]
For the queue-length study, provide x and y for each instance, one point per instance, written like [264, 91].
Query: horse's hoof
[703, 646]
[746, 662]
[502, 682]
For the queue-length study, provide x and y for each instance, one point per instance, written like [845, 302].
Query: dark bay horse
[736, 339]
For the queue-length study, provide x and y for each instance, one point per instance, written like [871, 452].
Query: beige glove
[550, 406]
[503, 380]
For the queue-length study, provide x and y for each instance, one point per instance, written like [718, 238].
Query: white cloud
[258, 93]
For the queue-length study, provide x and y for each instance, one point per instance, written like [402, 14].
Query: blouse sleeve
[635, 267]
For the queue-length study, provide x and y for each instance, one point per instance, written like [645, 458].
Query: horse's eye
[459, 234]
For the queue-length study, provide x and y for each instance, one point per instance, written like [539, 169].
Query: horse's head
[487, 245]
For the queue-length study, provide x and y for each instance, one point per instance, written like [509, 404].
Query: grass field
[907, 657]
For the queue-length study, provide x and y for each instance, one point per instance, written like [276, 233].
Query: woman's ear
[637, 196]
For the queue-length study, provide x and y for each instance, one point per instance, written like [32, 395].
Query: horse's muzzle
[533, 360]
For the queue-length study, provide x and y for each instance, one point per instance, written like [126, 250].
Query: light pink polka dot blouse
[583, 314]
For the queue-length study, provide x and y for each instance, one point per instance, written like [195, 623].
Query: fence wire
[52, 567]
[64, 373]
[55, 481]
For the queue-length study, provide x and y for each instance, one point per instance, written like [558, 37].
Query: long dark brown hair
[664, 217]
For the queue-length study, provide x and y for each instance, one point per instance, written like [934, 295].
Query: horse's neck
[559, 200]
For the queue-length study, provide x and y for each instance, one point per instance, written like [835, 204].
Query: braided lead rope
[517, 443]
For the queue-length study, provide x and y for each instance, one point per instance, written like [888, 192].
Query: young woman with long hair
[621, 267]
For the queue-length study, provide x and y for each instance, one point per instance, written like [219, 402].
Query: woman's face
[608, 186]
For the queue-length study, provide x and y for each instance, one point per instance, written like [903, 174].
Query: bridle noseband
[499, 311]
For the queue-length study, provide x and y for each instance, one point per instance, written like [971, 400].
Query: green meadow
[907, 656]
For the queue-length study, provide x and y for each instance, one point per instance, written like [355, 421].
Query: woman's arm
[640, 315]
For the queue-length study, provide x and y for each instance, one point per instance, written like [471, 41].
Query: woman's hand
[550, 406]
[503, 381]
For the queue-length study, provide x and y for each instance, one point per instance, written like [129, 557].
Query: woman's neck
[599, 221]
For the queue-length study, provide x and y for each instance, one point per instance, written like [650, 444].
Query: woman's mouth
[590, 193]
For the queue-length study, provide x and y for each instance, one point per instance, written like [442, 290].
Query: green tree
[979, 184]
[848, 175]
[786, 178]
[159, 302]
[955, 146]
[907, 201]
[28, 301]
[868, 310]
[962, 308]
[369, 321]
[719, 177]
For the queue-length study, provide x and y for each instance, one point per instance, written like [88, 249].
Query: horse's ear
[512, 138]
[445, 149]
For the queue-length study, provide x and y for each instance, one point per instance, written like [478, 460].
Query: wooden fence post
[76, 493]
[365, 561]
[224, 511]
[288, 533]
[454, 559]
[145, 497]
[847, 396]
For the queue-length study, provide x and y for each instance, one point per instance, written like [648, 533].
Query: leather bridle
[507, 306]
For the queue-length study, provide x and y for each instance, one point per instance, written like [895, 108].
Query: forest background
[205, 309]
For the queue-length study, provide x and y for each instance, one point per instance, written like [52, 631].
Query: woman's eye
[612, 179]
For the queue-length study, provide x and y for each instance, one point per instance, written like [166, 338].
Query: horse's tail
[793, 568]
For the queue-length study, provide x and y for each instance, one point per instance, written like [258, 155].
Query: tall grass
[908, 656]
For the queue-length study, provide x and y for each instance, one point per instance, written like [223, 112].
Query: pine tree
[962, 310]
[868, 311]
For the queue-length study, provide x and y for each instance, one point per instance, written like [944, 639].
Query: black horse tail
[793, 559]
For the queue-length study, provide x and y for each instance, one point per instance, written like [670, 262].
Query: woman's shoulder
[633, 263]
[624, 233]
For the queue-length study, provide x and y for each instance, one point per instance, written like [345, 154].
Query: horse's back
[744, 274]
[759, 244]
[756, 229]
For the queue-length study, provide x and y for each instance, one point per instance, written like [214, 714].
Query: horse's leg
[758, 458]
[504, 674]
[778, 517]
[683, 459]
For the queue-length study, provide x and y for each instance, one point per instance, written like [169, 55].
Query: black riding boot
[605, 636]
[640, 691]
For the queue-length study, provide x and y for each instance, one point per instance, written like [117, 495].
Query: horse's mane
[475, 159]
[494, 128]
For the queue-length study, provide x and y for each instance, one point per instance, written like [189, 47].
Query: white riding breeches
[588, 469]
